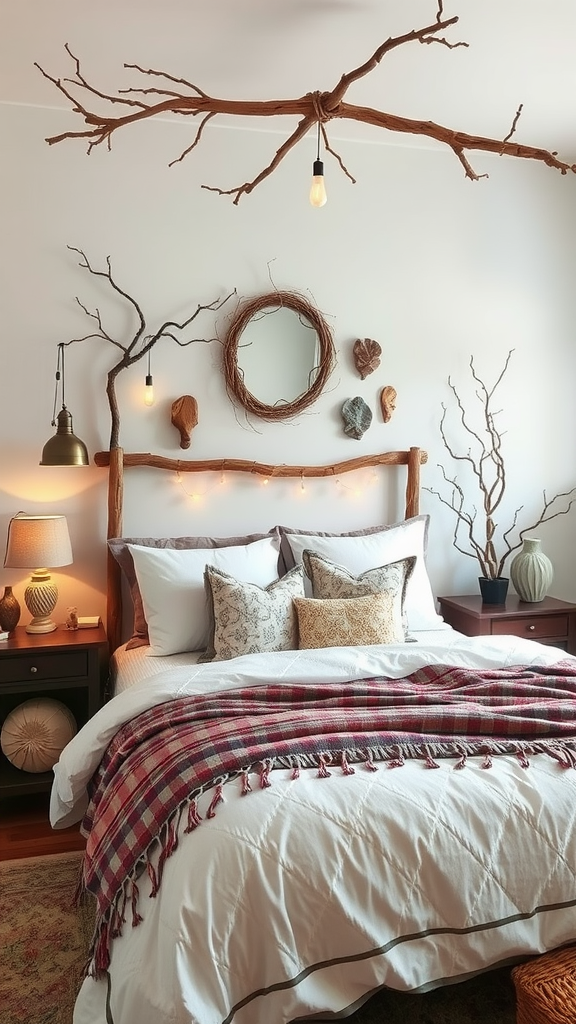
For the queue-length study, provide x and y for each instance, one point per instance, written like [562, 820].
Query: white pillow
[171, 583]
[364, 551]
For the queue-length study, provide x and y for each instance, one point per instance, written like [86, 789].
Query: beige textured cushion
[35, 733]
[347, 622]
[249, 619]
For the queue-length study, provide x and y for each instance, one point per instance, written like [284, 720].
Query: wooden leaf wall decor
[184, 417]
[105, 113]
[387, 402]
[366, 356]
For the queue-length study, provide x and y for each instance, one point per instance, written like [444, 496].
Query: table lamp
[38, 541]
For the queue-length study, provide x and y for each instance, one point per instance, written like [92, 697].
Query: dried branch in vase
[143, 339]
[485, 460]
[315, 109]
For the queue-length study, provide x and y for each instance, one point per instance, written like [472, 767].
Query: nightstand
[67, 665]
[549, 621]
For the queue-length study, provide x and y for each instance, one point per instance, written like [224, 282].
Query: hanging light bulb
[149, 388]
[318, 189]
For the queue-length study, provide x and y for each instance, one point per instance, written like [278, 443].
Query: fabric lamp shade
[43, 542]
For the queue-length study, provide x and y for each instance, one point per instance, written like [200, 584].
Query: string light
[356, 491]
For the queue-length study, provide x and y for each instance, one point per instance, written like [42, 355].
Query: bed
[307, 787]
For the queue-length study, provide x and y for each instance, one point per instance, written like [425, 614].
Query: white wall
[434, 267]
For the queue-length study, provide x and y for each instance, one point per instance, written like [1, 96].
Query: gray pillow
[119, 549]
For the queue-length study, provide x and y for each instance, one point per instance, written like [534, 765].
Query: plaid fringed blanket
[145, 791]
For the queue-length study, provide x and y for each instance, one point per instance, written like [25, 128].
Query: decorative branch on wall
[142, 341]
[314, 109]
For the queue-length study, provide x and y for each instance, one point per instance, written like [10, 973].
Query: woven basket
[546, 988]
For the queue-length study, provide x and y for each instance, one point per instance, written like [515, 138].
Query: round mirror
[278, 355]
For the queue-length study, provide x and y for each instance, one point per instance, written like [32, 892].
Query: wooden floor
[25, 829]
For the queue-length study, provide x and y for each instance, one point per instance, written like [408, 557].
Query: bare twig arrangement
[487, 465]
[314, 109]
[143, 340]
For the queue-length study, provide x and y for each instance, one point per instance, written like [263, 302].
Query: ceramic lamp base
[40, 597]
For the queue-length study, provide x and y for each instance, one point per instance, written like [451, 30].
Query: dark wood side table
[549, 621]
[67, 665]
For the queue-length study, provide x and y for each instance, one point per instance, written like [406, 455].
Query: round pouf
[546, 988]
[35, 733]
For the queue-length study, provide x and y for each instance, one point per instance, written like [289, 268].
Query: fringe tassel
[216, 799]
[429, 760]
[566, 758]
[265, 775]
[153, 878]
[396, 762]
[102, 950]
[369, 763]
[323, 772]
[194, 818]
[487, 762]
[461, 762]
[523, 758]
[347, 769]
[136, 917]
[296, 770]
[246, 787]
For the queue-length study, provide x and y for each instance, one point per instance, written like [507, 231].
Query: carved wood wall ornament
[179, 96]
[366, 354]
[388, 397]
[184, 416]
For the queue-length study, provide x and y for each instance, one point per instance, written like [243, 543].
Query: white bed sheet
[304, 897]
[128, 667]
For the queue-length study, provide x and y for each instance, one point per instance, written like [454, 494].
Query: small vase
[493, 591]
[531, 571]
[9, 610]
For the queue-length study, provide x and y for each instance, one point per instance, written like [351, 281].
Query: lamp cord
[318, 153]
[59, 376]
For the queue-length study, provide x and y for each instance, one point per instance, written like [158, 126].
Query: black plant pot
[493, 591]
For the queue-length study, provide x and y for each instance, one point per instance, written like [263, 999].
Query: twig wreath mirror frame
[233, 375]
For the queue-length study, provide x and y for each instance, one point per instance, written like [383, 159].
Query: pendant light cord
[59, 377]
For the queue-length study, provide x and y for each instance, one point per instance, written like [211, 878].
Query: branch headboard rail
[117, 460]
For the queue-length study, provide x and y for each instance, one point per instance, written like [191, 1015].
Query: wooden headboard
[117, 460]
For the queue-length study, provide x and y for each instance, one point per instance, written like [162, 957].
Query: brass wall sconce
[64, 449]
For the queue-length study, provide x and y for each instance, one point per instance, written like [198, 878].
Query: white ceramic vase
[531, 571]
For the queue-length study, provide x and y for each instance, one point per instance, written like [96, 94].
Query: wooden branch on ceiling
[186, 98]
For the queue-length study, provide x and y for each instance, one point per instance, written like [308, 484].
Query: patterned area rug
[44, 941]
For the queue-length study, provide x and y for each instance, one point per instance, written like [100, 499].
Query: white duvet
[305, 897]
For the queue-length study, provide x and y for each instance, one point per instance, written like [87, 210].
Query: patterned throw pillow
[249, 619]
[330, 580]
[347, 622]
